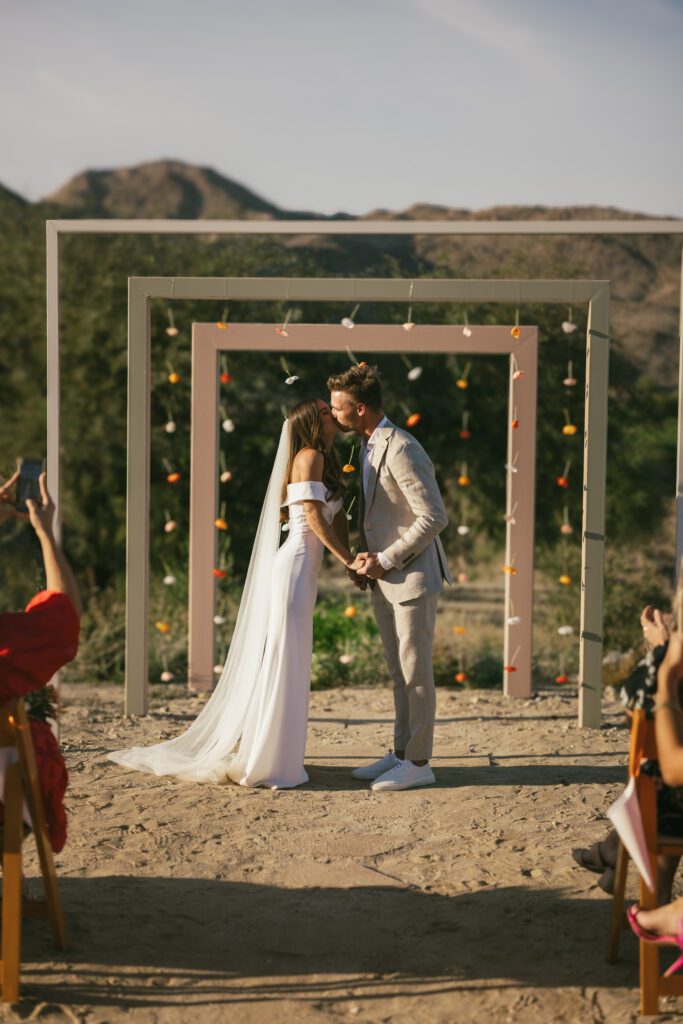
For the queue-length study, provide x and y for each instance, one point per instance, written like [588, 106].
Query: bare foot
[664, 920]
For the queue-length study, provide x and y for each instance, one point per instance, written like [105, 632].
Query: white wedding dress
[253, 727]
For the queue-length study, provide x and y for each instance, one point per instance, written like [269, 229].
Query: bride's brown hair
[305, 431]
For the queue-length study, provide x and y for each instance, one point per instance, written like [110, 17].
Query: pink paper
[626, 817]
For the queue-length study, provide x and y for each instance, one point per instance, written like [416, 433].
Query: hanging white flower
[169, 580]
[219, 620]
[566, 630]
[415, 373]
[228, 426]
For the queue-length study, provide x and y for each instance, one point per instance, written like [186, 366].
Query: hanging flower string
[291, 378]
[349, 467]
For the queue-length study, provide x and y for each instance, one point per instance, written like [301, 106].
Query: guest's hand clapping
[656, 627]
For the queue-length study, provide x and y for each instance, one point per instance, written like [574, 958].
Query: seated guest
[665, 924]
[639, 692]
[35, 643]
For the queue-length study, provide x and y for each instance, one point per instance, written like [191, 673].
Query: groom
[400, 516]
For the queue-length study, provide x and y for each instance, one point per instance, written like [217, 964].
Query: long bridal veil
[204, 751]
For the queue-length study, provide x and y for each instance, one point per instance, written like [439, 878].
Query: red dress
[34, 644]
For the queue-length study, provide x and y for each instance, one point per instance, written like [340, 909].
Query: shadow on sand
[223, 942]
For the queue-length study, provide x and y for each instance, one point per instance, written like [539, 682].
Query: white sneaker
[405, 775]
[369, 772]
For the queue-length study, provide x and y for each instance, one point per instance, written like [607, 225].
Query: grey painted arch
[595, 293]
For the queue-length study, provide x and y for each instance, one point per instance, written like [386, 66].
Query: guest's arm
[58, 573]
[669, 714]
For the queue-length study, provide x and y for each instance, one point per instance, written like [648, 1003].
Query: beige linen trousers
[402, 515]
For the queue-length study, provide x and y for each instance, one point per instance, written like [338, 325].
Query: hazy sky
[354, 104]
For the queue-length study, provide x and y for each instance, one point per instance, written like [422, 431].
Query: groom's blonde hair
[361, 382]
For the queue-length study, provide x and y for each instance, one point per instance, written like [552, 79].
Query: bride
[253, 727]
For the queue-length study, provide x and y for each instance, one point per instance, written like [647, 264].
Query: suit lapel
[377, 456]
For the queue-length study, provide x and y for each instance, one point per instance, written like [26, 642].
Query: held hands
[368, 565]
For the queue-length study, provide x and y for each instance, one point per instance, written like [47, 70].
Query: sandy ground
[451, 904]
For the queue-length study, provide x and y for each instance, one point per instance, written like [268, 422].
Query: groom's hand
[371, 567]
[352, 573]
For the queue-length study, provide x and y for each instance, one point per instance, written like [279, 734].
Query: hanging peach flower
[518, 374]
[566, 529]
[462, 577]
[166, 676]
[170, 526]
[570, 382]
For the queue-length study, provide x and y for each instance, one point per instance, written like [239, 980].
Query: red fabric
[34, 644]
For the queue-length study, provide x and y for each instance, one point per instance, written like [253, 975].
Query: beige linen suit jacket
[402, 515]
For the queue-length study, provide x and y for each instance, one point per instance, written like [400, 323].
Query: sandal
[657, 940]
[591, 859]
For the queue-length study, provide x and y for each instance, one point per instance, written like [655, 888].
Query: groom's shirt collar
[374, 436]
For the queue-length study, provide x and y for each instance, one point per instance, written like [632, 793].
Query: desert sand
[459, 902]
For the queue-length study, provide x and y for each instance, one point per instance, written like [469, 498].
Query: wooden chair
[652, 984]
[21, 784]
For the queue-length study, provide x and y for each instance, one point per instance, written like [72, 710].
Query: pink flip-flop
[657, 940]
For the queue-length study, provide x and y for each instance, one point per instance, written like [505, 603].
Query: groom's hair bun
[360, 381]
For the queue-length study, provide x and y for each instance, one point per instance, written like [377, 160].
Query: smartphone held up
[27, 486]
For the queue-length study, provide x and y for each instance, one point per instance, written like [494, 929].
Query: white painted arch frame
[208, 341]
[141, 292]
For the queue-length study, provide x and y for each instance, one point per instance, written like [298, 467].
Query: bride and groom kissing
[252, 729]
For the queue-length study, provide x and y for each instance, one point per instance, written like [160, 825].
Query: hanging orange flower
[220, 524]
[465, 435]
[225, 378]
[413, 419]
[163, 627]
[564, 579]
[348, 468]
[515, 332]
[464, 480]
[569, 429]
[562, 678]
[222, 324]
[351, 611]
[173, 478]
[220, 574]
[509, 668]
[562, 481]
[462, 383]
[461, 677]
[509, 569]
[173, 377]
[515, 424]
[459, 630]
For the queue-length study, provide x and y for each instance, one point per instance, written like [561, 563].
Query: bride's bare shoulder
[308, 465]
